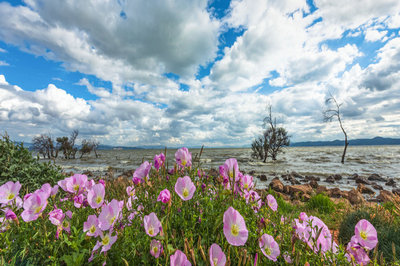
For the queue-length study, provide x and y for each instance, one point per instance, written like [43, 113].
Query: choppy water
[318, 161]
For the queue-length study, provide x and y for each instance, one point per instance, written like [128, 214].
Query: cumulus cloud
[3, 63]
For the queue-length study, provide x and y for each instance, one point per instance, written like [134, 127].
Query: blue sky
[197, 72]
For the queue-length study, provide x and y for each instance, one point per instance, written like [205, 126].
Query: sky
[191, 73]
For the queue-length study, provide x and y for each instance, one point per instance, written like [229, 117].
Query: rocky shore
[366, 189]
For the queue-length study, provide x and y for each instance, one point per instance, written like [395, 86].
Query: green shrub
[321, 203]
[388, 233]
[17, 164]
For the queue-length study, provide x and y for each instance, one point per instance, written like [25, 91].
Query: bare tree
[333, 111]
[44, 145]
[272, 141]
[67, 145]
[88, 146]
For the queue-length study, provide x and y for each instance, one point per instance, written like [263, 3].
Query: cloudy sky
[179, 72]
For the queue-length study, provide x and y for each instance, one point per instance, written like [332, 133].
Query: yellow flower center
[105, 240]
[92, 229]
[38, 209]
[268, 251]
[363, 235]
[185, 192]
[112, 220]
[76, 187]
[235, 230]
[65, 224]
[246, 186]
[215, 260]
[155, 249]
[131, 194]
[10, 196]
[183, 162]
[98, 199]
[231, 174]
[151, 230]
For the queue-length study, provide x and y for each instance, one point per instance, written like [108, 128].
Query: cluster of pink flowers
[365, 238]
[141, 173]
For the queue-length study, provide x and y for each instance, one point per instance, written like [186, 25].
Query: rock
[365, 190]
[396, 191]
[302, 189]
[362, 180]
[355, 197]
[276, 185]
[313, 184]
[88, 173]
[252, 172]
[293, 181]
[296, 175]
[376, 186]
[385, 196]
[321, 189]
[330, 179]
[335, 193]
[283, 196]
[376, 177]
[312, 178]
[213, 172]
[391, 182]
[354, 176]
[305, 197]
[337, 177]
[263, 177]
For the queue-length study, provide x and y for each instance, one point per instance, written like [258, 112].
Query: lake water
[318, 161]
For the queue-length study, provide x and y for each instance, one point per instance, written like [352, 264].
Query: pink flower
[46, 188]
[217, 257]
[185, 188]
[10, 215]
[366, 234]
[73, 184]
[179, 259]
[34, 206]
[247, 182]
[165, 196]
[287, 257]
[159, 160]
[356, 252]
[141, 172]
[107, 240]
[54, 190]
[109, 214]
[9, 191]
[155, 248]
[231, 169]
[272, 203]
[95, 196]
[235, 229]
[269, 247]
[183, 157]
[303, 216]
[78, 200]
[56, 216]
[91, 226]
[130, 191]
[151, 224]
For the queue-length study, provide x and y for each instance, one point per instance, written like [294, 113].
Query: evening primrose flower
[164, 196]
[272, 203]
[141, 172]
[34, 206]
[247, 182]
[269, 247]
[107, 240]
[183, 157]
[366, 234]
[95, 196]
[91, 226]
[151, 224]
[159, 160]
[217, 256]
[185, 188]
[179, 259]
[56, 216]
[155, 248]
[74, 184]
[235, 229]
[9, 191]
[356, 252]
[231, 169]
[109, 214]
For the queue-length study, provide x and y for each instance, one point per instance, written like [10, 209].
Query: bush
[388, 233]
[17, 164]
[321, 203]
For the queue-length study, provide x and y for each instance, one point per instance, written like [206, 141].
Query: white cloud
[372, 35]
[3, 63]
[2, 50]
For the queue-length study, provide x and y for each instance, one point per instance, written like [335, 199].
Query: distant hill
[353, 142]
